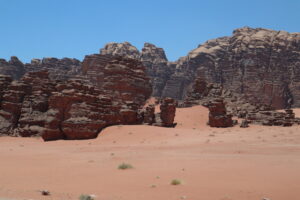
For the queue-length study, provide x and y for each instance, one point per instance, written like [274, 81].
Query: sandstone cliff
[262, 64]
[75, 109]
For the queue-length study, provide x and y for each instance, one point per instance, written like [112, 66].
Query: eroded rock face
[13, 68]
[74, 109]
[153, 58]
[149, 114]
[33, 113]
[201, 93]
[167, 113]
[120, 49]
[79, 111]
[262, 64]
[121, 77]
[218, 116]
[273, 118]
[59, 69]
[157, 67]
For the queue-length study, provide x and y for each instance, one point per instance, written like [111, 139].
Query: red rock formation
[74, 109]
[35, 104]
[153, 58]
[218, 116]
[167, 113]
[121, 77]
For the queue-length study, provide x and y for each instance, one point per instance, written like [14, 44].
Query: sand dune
[212, 164]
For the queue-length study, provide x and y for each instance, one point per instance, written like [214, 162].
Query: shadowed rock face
[262, 64]
[14, 67]
[59, 69]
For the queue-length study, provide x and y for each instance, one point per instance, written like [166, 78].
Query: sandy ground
[212, 164]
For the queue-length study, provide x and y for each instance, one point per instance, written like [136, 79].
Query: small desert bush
[86, 197]
[125, 166]
[175, 182]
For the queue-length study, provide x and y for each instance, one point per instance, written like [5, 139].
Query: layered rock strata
[121, 77]
[59, 69]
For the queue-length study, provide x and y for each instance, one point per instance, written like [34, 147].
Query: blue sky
[75, 28]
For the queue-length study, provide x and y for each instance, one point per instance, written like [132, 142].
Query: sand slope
[213, 164]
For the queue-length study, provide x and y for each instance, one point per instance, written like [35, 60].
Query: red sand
[213, 164]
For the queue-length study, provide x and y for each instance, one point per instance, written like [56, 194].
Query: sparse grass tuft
[125, 166]
[86, 197]
[175, 182]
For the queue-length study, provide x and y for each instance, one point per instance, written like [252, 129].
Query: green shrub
[86, 197]
[175, 182]
[125, 166]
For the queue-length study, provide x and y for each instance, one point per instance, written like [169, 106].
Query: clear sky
[75, 28]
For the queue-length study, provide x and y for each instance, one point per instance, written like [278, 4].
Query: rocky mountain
[14, 67]
[262, 64]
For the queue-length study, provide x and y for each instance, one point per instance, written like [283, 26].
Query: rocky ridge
[262, 64]
[59, 69]
[76, 109]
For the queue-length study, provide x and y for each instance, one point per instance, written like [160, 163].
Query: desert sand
[213, 164]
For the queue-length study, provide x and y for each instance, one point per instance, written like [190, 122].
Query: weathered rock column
[167, 112]
[217, 114]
